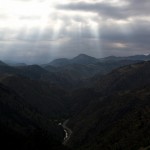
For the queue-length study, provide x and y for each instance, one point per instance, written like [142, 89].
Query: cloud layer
[37, 31]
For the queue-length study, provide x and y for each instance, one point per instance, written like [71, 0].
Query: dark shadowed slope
[114, 113]
[122, 79]
[118, 121]
[47, 99]
[23, 127]
[125, 78]
[111, 112]
[2, 64]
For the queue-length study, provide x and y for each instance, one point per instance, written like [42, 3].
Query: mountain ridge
[81, 57]
[107, 100]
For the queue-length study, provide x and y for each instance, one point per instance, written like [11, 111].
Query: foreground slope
[116, 113]
[23, 127]
[47, 99]
[112, 112]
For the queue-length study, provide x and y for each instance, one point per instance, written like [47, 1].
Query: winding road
[68, 132]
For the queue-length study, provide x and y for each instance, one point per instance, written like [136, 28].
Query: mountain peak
[84, 59]
[2, 63]
[83, 56]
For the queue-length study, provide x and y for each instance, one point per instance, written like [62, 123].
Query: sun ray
[37, 21]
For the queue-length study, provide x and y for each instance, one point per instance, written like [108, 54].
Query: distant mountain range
[80, 59]
[134, 57]
[85, 60]
[65, 72]
[84, 66]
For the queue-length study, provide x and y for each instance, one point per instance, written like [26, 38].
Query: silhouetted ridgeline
[106, 101]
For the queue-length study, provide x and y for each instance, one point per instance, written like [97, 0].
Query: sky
[38, 31]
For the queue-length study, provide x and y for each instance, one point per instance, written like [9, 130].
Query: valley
[105, 99]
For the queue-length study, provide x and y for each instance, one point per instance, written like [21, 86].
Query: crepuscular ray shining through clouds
[37, 31]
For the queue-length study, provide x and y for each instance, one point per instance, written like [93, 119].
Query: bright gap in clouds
[20, 13]
[36, 13]
[41, 30]
[30, 22]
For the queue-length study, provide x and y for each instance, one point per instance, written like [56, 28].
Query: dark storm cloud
[103, 9]
[136, 32]
[106, 9]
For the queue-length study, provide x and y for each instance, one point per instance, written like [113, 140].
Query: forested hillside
[105, 100]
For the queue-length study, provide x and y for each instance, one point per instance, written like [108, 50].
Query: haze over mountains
[106, 101]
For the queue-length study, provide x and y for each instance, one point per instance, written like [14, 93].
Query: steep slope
[15, 109]
[125, 78]
[23, 127]
[114, 113]
[121, 79]
[47, 99]
[119, 121]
